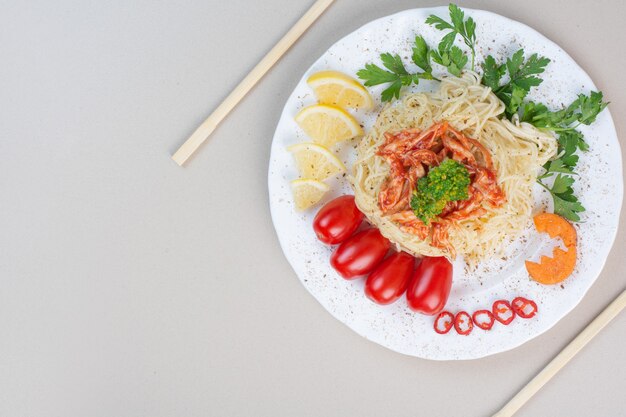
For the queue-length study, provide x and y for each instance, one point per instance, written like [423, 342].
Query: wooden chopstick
[564, 357]
[206, 128]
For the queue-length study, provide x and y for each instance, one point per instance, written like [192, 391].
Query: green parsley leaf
[566, 204]
[374, 75]
[465, 28]
[533, 113]
[421, 55]
[450, 56]
[396, 73]
[393, 63]
[514, 101]
[562, 184]
[397, 76]
[393, 91]
[558, 165]
[590, 107]
[521, 78]
[438, 23]
[492, 73]
[583, 110]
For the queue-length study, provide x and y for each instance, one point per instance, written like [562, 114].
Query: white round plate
[599, 188]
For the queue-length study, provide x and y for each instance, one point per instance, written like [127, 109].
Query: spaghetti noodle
[517, 151]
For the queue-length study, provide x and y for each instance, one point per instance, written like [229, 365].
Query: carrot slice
[555, 225]
[554, 270]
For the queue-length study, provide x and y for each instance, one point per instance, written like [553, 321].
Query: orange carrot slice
[561, 265]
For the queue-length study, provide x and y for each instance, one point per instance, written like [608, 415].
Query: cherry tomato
[360, 254]
[390, 278]
[430, 286]
[337, 220]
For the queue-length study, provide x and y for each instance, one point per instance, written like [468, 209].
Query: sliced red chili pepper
[483, 319]
[503, 312]
[463, 323]
[444, 322]
[524, 307]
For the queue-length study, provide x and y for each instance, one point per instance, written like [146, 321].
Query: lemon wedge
[315, 161]
[327, 124]
[339, 89]
[307, 192]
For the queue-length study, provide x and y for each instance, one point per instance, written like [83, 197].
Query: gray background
[132, 287]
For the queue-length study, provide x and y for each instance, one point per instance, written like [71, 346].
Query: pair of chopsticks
[206, 128]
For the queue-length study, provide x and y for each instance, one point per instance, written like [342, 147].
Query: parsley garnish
[566, 204]
[583, 110]
[521, 78]
[450, 56]
[457, 26]
[396, 73]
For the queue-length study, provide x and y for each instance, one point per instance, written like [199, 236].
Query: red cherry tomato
[430, 286]
[390, 279]
[337, 220]
[463, 323]
[360, 254]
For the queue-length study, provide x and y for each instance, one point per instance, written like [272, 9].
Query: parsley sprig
[450, 56]
[457, 26]
[582, 111]
[396, 73]
[521, 78]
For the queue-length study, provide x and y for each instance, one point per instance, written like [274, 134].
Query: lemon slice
[315, 161]
[334, 87]
[327, 124]
[307, 192]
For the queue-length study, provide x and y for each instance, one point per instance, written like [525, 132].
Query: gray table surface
[132, 287]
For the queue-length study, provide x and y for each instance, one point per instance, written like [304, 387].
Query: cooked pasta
[518, 150]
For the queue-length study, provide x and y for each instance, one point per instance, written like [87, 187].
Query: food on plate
[510, 82]
[430, 285]
[339, 89]
[315, 161]
[390, 279]
[445, 183]
[459, 122]
[444, 322]
[363, 252]
[463, 323]
[483, 319]
[561, 265]
[360, 254]
[503, 312]
[524, 307]
[307, 192]
[450, 171]
[328, 125]
[337, 220]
